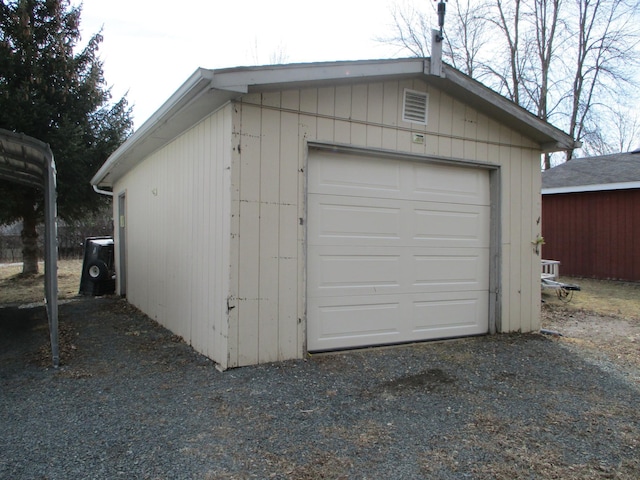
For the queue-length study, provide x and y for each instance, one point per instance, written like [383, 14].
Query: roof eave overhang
[550, 138]
[192, 102]
[207, 90]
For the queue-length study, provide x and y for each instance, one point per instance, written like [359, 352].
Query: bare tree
[560, 59]
[507, 20]
[621, 134]
[411, 30]
[544, 19]
[606, 41]
[466, 36]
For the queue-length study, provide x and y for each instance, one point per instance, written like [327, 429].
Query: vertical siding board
[390, 99]
[375, 98]
[528, 235]
[536, 219]
[269, 234]
[248, 283]
[445, 126]
[287, 341]
[433, 114]
[223, 223]
[202, 257]
[359, 134]
[249, 246]
[343, 102]
[326, 101]
[288, 283]
[359, 102]
[359, 97]
[234, 243]
[513, 226]
[290, 100]
[288, 181]
[268, 270]
[375, 102]
[309, 100]
[213, 286]
[342, 132]
[326, 110]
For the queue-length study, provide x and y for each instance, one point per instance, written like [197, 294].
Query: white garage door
[397, 251]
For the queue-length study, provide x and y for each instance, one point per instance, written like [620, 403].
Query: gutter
[101, 192]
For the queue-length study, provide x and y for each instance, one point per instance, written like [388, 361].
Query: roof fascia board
[591, 188]
[311, 72]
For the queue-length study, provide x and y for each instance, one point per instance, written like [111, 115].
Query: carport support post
[51, 258]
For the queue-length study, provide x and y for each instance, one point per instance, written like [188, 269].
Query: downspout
[102, 192]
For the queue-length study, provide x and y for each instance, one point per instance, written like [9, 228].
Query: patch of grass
[604, 297]
[16, 288]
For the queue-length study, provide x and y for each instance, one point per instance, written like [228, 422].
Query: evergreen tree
[50, 92]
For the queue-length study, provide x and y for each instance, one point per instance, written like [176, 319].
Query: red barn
[591, 216]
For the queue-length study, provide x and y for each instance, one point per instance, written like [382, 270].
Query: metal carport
[28, 161]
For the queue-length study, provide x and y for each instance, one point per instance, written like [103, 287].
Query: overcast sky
[150, 49]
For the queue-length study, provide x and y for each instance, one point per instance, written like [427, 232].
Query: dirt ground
[601, 321]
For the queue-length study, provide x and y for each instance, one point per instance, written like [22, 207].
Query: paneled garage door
[397, 251]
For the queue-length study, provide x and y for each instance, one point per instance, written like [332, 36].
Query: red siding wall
[593, 234]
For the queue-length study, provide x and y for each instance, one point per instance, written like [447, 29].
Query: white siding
[178, 234]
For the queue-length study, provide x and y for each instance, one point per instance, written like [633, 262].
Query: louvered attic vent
[415, 106]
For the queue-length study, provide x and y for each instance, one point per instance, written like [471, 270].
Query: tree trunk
[29, 235]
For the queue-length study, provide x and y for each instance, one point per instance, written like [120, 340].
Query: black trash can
[98, 268]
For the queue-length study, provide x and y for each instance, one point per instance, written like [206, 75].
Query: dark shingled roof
[615, 168]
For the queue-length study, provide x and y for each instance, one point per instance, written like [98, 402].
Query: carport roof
[23, 159]
[207, 90]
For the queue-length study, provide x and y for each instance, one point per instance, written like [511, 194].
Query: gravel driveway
[132, 401]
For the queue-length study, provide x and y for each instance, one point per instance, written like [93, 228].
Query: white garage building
[265, 212]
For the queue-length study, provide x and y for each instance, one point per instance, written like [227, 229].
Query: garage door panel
[451, 270]
[433, 183]
[357, 176]
[352, 272]
[353, 321]
[449, 315]
[344, 220]
[348, 220]
[349, 270]
[446, 225]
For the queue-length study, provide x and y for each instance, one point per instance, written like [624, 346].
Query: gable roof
[607, 172]
[207, 90]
